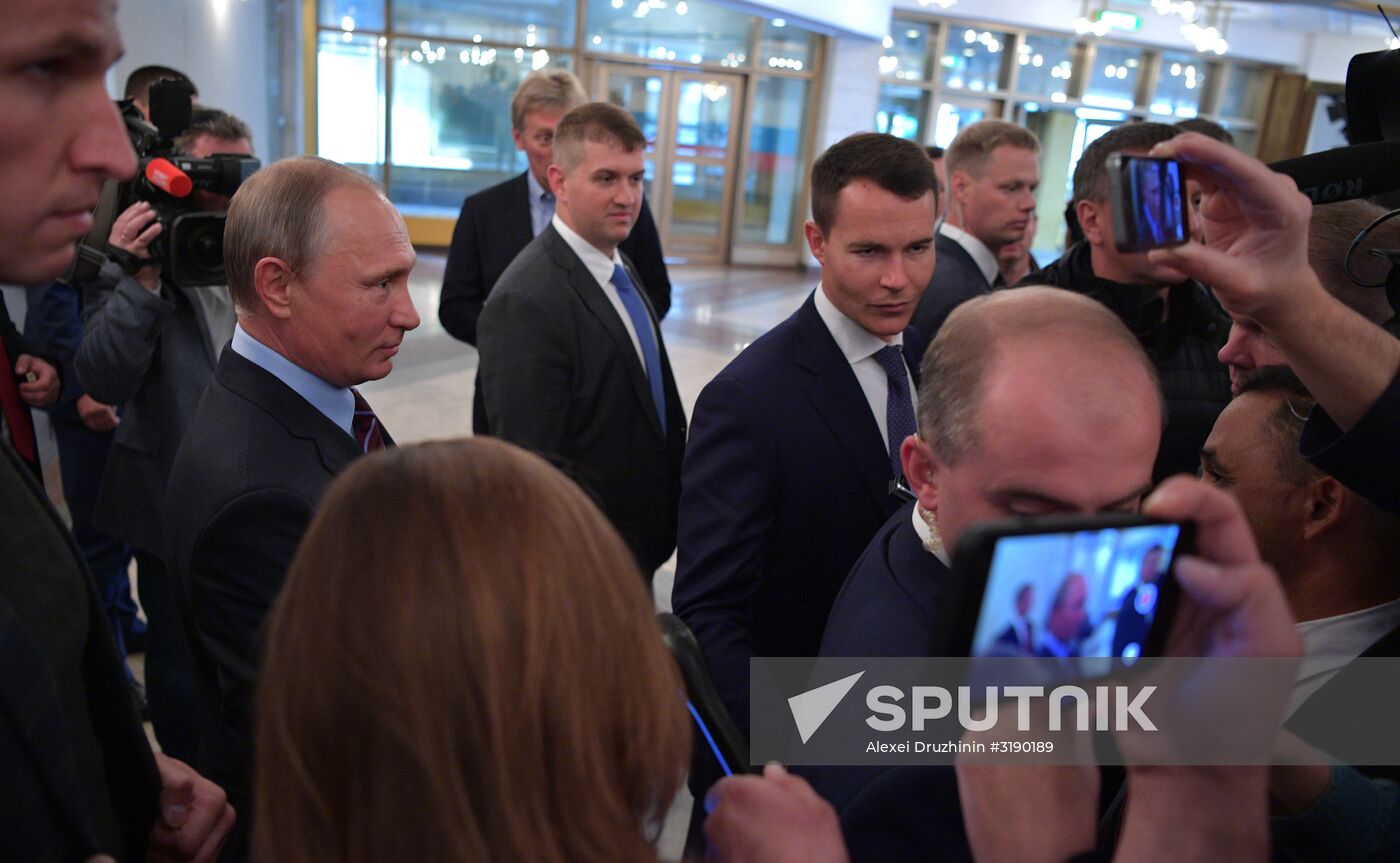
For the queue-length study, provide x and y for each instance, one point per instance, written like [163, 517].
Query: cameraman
[151, 346]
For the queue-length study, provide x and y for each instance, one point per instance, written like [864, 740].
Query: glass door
[691, 121]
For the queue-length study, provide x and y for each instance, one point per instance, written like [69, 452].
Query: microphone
[711, 717]
[1345, 172]
[164, 175]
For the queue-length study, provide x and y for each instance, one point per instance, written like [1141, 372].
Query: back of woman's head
[463, 665]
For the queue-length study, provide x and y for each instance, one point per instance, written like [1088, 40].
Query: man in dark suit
[318, 263]
[993, 172]
[1030, 402]
[79, 776]
[795, 444]
[573, 365]
[497, 223]
[1019, 635]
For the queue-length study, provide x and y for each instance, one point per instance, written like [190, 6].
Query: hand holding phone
[1148, 199]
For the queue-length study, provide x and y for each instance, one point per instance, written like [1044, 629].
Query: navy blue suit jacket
[786, 478]
[889, 606]
[956, 279]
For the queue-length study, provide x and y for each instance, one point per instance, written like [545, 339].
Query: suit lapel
[836, 395]
[945, 246]
[517, 216]
[298, 416]
[598, 304]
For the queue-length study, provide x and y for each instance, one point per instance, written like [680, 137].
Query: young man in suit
[993, 171]
[795, 444]
[80, 779]
[318, 263]
[498, 222]
[573, 365]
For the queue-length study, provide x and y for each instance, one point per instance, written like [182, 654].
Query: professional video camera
[190, 250]
[1366, 169]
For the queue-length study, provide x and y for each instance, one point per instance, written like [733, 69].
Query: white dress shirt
[859, 347]
[981, 255]
[602, 269]
[1329, 643]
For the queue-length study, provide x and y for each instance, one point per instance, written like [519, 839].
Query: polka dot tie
[899, 408]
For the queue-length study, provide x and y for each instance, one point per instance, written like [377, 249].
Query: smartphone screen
[1089, 594]
[1149, 202]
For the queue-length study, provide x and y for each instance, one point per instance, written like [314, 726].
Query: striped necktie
[369, 434]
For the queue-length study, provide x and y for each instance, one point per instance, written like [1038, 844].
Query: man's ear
[556, 181]
[273, 282]
[1095, 221]
[816, 241]
[921, 471]
[1328, 502]
[518, 138]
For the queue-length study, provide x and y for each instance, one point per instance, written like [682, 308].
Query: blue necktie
[899, 410]
[641, 322]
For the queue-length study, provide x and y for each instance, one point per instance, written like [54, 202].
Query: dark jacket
[786, 480]
[78, 776]
[1195, 383]
[243, 489]
[956, 279]
[493, 228]
[151, 354]
[561, 378]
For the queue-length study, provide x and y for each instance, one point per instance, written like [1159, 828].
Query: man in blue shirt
[318, 263]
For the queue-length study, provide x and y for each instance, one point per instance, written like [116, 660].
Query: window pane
[1045, 64]
[703, 109]
[523, 22]
[687, 31]
[902, 111]
[352, 14]
[451, 120]
[350, 101]
[1113, 80]
[1246, 139]
[773, 180]
[907, 50]
[785, 46]
[952, 119]
[972, 59]
[697, 196]
[1179, 87]
[1244, 92]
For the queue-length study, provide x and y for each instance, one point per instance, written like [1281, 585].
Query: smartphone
[1148, 199]
[712, 720]
[1083, 589]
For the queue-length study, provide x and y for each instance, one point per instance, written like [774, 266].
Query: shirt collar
[856, 342]
[337, 403]
[926, 536]
[1348, 635]
[600, 265]
[981, 255]
[537, 192]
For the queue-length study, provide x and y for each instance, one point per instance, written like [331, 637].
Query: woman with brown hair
[464, 666]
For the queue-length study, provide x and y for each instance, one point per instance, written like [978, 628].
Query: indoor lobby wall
[221, 44]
